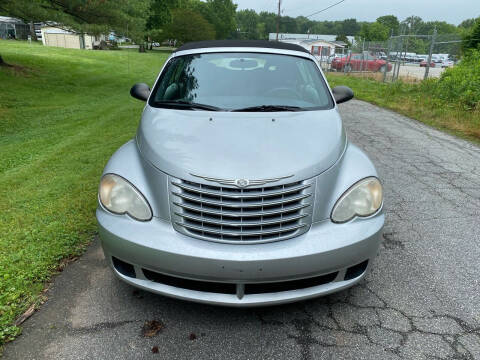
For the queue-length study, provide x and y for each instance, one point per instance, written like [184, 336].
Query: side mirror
[342, 94]
[140, 91]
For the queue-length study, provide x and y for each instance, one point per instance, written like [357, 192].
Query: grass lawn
[62, 115]
[415, 101]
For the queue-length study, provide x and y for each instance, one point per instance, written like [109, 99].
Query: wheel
[347, 68]
[383, 68]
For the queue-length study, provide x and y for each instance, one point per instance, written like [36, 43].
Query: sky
[451, 11]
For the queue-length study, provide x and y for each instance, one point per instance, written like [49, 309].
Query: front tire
[347, 68]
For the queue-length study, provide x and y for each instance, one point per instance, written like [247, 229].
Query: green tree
[330, 28]
[412, 24]
[468, 24]
[261, 31]
[391, 22]
[304, 25]
[321, 27]
[247, 24]
[188, 25]
[268, 22]
[472, 39]
[161, 13]
[349, 27]
[288, 25]
[442, 27]
[343, 38]
[416, 45]
[133, 20]
[374, 32]
[219, 13]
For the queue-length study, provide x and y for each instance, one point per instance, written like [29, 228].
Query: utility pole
[429, 60]
[278, 17]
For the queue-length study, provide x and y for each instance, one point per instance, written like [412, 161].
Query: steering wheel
[285, 92]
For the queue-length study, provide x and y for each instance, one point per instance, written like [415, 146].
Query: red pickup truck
[359, 62]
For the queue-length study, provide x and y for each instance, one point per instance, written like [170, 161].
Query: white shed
[320, 48]
[53, 36]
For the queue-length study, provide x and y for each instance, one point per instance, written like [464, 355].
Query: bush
[461, 83]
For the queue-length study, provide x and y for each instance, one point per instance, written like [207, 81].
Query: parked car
[420, 58]
[425, 62]
[447, 63]
[439, 58]
[240, 195]
[334, 56]
[359, 62]
[410, 58]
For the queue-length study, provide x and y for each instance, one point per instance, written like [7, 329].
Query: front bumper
[156, 247]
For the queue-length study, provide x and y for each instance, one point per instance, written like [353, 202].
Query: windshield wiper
[186, 105]
[268, 108]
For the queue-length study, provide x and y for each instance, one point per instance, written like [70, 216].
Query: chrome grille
[249, 215]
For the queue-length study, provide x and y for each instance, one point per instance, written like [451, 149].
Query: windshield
[237, 81]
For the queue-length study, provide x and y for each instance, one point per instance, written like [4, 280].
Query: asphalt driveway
[422, 300]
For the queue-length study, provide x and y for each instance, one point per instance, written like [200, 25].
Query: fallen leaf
[192, 336]
[152, 328]
[155, 349]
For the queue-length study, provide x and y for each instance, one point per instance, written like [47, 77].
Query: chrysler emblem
[242, 183]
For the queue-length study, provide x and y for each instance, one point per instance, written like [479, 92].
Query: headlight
[120, 197]
[362, 199]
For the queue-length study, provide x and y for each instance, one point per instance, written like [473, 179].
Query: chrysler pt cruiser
[240, 187]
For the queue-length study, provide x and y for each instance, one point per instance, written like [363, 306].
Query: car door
[355, 61]
[362, 62]
[370, 63]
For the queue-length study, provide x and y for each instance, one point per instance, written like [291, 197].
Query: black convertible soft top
[242, 43]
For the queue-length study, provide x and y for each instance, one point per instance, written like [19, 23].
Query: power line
[318, 12]
[297, 10]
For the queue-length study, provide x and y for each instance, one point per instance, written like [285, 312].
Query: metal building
[11, 28]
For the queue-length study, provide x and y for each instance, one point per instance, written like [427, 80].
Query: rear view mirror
[140, 91]
[342, 94]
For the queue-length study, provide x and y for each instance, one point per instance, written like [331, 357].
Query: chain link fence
[409, 57]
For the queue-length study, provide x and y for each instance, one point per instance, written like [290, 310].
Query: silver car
[240, 187]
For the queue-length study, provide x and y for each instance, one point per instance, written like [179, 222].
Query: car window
[233, 81]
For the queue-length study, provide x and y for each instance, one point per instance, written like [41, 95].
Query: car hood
[241, 145]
